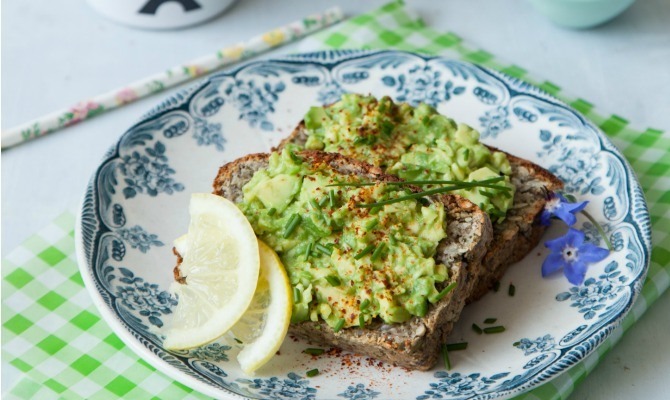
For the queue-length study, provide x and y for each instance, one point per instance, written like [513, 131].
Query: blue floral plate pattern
[136, 205]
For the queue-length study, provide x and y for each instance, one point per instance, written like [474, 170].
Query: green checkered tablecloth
[53, 335]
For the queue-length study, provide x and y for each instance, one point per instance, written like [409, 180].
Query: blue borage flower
[559, 207]
[572, 254]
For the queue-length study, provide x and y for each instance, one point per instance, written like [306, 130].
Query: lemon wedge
[221, 264]
[264, 325]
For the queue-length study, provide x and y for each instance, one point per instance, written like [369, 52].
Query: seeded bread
[416, 343]
[513, 238]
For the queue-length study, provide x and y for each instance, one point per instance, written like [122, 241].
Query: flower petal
[575, 272]
[556, 245]
[565, 215]
[545, 218]
[589, 253]
[575, 237]
[575, 207]
[552, 263]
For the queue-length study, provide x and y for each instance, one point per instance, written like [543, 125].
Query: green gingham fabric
[53, 335]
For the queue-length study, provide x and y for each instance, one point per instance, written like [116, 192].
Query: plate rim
[325, 57]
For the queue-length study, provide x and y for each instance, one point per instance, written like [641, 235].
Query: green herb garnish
[312, 372]
[494, 329]
[272, 211]
[496, 286]
[364, 305]
[365, 251]
[331, 198]
[339, 325]
[323, 201]
[444, 291]
[361, 320]
[457, 346]
[490, 320]
[377, 254]
[238, 341]
[314, 351]
[511, 290]
[445, 355]
[308, 250]
[333, 280]
[296, 295]
[291, 225]
[314, 204]
[324, 249]
[477, 329]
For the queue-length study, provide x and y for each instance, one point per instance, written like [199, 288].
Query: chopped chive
[339, 325]
[323, 201]
[308, 251]
[516, 344]
[457, 346]
[331, 198]
[439, 190]
[477, 329]
[292, 223]
[377, 254]
[272, 211]
[361, 320]
[490, 320]
[446, 290]
[324, 249]
[294, 157]
[333, 280]
[426, 120]
[297, 297]
[238, 341]
[370, 225]
[496, 286]
[364, 305]
[314, 351]
[445, 355]
[494, 329]
[312, 372]
[365, 251]
[314, 204]
[392, 240]
[511, 290]
[425, 182]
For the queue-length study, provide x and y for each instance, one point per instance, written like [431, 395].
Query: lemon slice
[221, 265]
[263, 326]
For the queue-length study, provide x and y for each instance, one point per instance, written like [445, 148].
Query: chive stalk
[339, 325]
[324, 249]
[477, 329]
[445, 291]
[297, 297]
[308, 250]
[312, 372]
[291, 225]
[511, 290]
[272, 211]
[323, 201]
[490, 320]
[331, 198]
[457, 346]
[314, 204]
[333, 280]
[445, 355]
[364, 305]
[361, 320]
[377, 254]
[494, 329]
[365, 251]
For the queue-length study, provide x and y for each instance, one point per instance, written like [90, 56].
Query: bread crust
[518, 234]
[416, 343]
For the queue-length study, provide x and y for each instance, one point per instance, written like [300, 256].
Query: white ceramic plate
[136, 205]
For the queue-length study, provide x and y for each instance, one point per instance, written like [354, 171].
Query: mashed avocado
[412, 143]
[347, 264]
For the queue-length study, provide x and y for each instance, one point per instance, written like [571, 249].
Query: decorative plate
[136, 205]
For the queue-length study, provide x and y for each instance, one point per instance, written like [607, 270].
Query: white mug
[160, 14]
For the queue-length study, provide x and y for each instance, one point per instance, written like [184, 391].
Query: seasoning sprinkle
[445, 291]
[494, 329]
[333, 280]
[511, 290]
[291, 225]
[445, 355]
[312, 372]
[477, 329]
[272, 211]
[490, 320]
[324, 249]
[457, 346]
[314, 351]
[339, 325]
[363, 252]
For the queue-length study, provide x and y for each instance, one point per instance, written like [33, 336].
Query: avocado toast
[397, 304]
[417, 143]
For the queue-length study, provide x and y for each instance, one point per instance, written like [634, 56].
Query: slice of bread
[513, 238]
[414, 344]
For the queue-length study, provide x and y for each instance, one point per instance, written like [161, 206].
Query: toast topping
[414, 143]
[348, 265]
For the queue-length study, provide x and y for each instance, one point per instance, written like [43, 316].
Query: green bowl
[581, 13]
